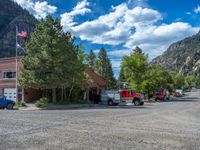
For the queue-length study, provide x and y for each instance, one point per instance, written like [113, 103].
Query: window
[9, 75]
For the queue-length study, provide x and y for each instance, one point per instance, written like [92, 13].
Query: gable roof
[94, 79]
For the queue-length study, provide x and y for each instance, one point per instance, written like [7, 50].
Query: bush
[20, 103]
[42, 102]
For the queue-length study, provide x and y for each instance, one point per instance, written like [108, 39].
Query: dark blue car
[6, 103]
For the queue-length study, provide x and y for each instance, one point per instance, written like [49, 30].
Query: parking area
[160, 125]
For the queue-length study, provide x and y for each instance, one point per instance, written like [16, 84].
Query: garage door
[10, 93]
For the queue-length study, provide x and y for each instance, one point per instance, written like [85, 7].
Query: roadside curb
[74, 106]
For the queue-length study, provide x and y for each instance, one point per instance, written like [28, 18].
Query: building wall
[9, 64]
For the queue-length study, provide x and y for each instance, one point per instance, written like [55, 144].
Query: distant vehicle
[110, 97]
[130, 96]
[6, 103]
[160, 96]
[178, 93]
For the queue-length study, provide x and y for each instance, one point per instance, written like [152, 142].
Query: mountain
[12, 15]
[182, 56]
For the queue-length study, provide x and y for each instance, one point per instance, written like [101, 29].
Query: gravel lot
[166, 125]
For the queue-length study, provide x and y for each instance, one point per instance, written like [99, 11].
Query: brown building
[95, 85]
[8, 82]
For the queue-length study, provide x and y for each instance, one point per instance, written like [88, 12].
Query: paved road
[163, 125]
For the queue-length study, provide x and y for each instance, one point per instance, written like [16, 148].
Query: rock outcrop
[182, 56]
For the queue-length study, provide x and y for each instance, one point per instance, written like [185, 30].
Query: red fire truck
[130, 96]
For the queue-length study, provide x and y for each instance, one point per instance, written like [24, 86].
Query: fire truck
[122, 96]
[130, 96]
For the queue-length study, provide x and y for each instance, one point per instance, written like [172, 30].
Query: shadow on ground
[183, 99]
[95, 107]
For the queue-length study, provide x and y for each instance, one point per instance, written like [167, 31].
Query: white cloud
[117, 26]
[132, 27]
[119, 53]
[197, 10]
[67, 19]
[155, 39]
[38, 9]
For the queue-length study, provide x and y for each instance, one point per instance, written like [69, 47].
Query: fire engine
[122, 96]
[130, 96]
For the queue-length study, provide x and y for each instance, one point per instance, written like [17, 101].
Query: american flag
[22, 34]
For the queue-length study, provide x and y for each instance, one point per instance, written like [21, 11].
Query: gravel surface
[169, 125]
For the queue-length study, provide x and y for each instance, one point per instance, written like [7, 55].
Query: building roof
[94, 79]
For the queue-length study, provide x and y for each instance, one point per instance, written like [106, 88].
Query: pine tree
[91, 58]
[52, 60]
[104, 68]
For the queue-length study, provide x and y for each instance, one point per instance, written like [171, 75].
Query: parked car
[130, 96]
[6, 103]
[178, 93]
[110, 97]
[160, 96]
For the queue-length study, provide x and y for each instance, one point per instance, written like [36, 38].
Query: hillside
[182, 56]
[12, 15]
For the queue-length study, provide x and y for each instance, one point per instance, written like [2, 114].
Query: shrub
[20, 103]
[42, 102]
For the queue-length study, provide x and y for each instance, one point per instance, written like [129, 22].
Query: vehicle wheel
[136, 102]
[156, 99]
[110, 102]
[10, 106]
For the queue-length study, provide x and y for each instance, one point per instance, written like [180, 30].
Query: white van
[110, 97]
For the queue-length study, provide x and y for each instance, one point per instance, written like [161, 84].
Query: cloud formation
[67, 19]
[38, 9]
[130, 27]
[197, 9]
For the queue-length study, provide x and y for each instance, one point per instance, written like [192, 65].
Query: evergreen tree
[52, 60]
[91, 58]
[104, 68]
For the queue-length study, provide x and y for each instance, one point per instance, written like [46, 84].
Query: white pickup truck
[110, 97]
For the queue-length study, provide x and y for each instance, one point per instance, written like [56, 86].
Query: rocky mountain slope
[182, 56]
[12, 15]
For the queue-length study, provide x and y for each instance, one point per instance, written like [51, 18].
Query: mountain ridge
[13, 15]
[182, 56]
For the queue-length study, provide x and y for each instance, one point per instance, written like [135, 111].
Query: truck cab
[130, 96]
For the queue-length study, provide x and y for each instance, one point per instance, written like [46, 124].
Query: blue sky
[121, 25]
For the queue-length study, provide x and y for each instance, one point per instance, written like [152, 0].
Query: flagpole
[16, 84]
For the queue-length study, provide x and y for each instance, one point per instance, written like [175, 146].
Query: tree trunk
[71, 89]
[70, 92]
[54, 95]
[62, 93]
[65, 95]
